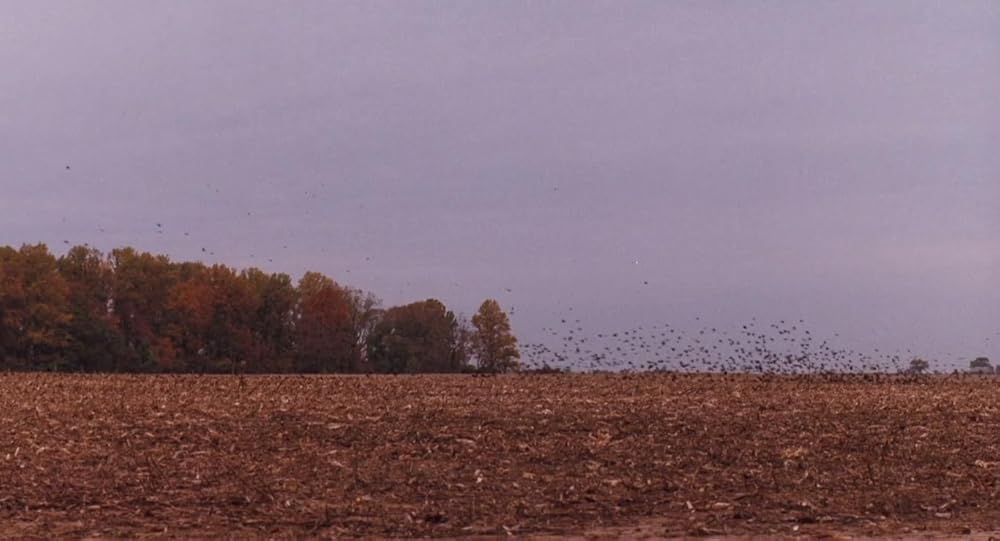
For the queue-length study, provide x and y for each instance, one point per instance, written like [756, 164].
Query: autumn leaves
[138, 312]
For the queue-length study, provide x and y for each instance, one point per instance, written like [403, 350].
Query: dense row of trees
[137, 312]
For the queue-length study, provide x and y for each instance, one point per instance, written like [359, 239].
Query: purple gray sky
[637, 162]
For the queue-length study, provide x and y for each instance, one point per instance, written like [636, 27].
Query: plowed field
[455, 456]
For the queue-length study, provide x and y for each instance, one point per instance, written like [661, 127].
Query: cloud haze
[832, 161]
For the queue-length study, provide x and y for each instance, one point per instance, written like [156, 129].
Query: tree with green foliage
[981, 365]
[95, 341]
[273, 327]
[918, 366]
[419, 337]
[365, 313]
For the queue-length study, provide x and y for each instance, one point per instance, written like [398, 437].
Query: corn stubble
[440, 456]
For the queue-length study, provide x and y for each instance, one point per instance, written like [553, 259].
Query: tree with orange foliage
[324, 338]
[34, 311]
[213, 311]
[140, 300]
[495, 344]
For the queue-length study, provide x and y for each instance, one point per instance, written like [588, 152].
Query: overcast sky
[637, 162]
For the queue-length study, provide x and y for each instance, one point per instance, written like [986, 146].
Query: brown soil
[543, 457]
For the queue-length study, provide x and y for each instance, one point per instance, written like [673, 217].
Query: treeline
[138, 312]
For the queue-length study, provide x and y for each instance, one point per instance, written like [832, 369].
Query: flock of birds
[782, 347]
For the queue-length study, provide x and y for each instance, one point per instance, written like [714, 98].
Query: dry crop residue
[452, 456]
